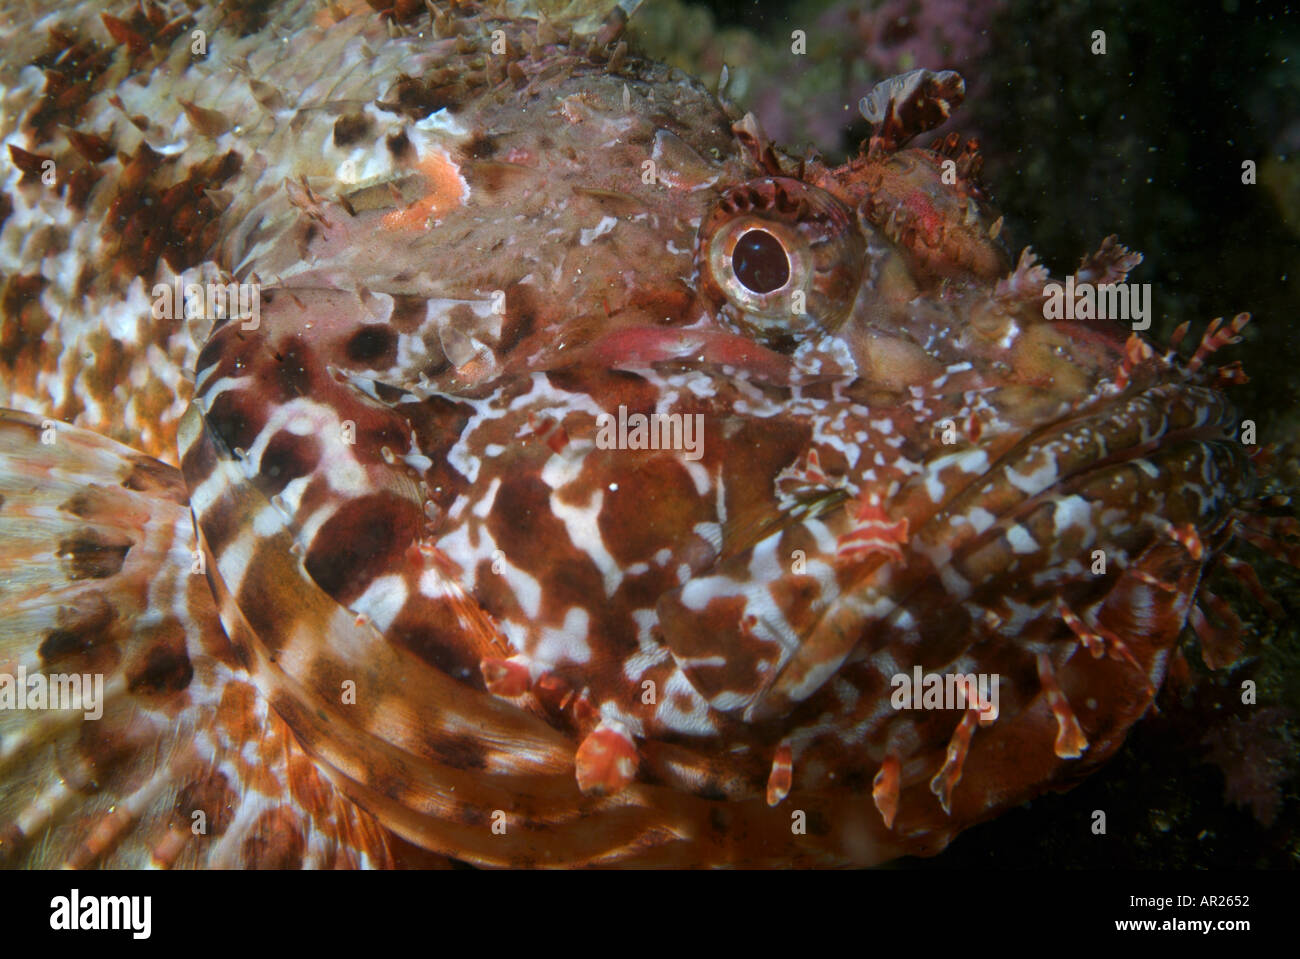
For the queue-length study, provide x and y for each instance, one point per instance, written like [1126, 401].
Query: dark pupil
[760, 262]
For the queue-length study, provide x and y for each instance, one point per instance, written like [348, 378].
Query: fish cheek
[648, 507]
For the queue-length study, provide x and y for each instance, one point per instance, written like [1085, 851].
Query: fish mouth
[1014, 517]
[1063, 512]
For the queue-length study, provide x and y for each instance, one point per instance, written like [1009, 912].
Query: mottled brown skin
[924, 301]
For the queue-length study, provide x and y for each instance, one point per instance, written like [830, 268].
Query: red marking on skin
[645, 345]
[873, 532]
[557, 440]
[805, 477]
[553, 691]
[1187, 537]
[946, 779]
[1136, 352]
[926, 218]
[606, 761]
[884, 789]
[781, 777]
[813, 471]
[474, 369]
[504, 677]
[537, 427]
[1070, 740]
[1099, 640]
[1088, 639]
[1178, 335]
[1216, 337]
[445, 193]
[584, 713]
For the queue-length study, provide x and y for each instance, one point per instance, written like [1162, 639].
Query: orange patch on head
[446, 191]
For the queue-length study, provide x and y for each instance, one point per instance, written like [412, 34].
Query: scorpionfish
[586, 480]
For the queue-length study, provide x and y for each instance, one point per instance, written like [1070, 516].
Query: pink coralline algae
[1256, 757]
[854, 45]
[898, 35]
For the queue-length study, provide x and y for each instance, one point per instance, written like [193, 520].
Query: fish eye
[780, 259]
[760, 262]
[754, 266]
